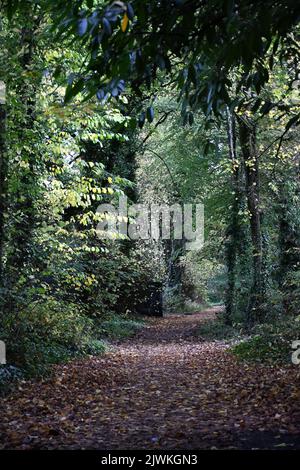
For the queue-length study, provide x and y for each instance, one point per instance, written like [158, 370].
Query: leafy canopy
[197, 43]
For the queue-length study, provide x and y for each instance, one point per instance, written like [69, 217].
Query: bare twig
[160, 121]
[167, 167]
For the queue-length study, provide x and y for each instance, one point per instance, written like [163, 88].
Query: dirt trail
[164, 389]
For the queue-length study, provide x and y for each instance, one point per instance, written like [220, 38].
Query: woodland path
[166, 388]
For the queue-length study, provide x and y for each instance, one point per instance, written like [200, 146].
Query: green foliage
[70, 141]
[95, 347]
[215, 330]
[226, 36]
[292, 291]
[270, 343]
[188, 307]
[45, 333]
[8, 375]
[118, 327]
[62, 162]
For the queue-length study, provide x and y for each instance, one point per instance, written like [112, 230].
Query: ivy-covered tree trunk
[289, 244]
[247, 137]
[23, 172]
[23, 204]
[3, 176]
[175, 267]
[233, 230]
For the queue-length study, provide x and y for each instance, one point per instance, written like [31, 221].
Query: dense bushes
[45, 333]
[52, 331]
[270, 342]
[267, 342]
[118, 327]
[218, 330]
[8, 374]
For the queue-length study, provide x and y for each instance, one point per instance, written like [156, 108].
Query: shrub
[45, 333]
[218, 330]
[118, 327]
[270, 342]
[8, 374]
[292, 292]
[95, 347]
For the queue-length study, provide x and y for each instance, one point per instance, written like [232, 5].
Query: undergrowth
[266, 343]
[270, 342]
[218, 330]
[54, 332]
[118, 327]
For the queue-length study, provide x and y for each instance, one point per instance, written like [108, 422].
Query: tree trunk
[22, 204]
[247, 136]
[289, 244]
[233, 230]
[3, 175]
[175, 268]
[24, 200]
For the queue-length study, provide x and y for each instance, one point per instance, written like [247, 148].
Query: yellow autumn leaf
[124, 22]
